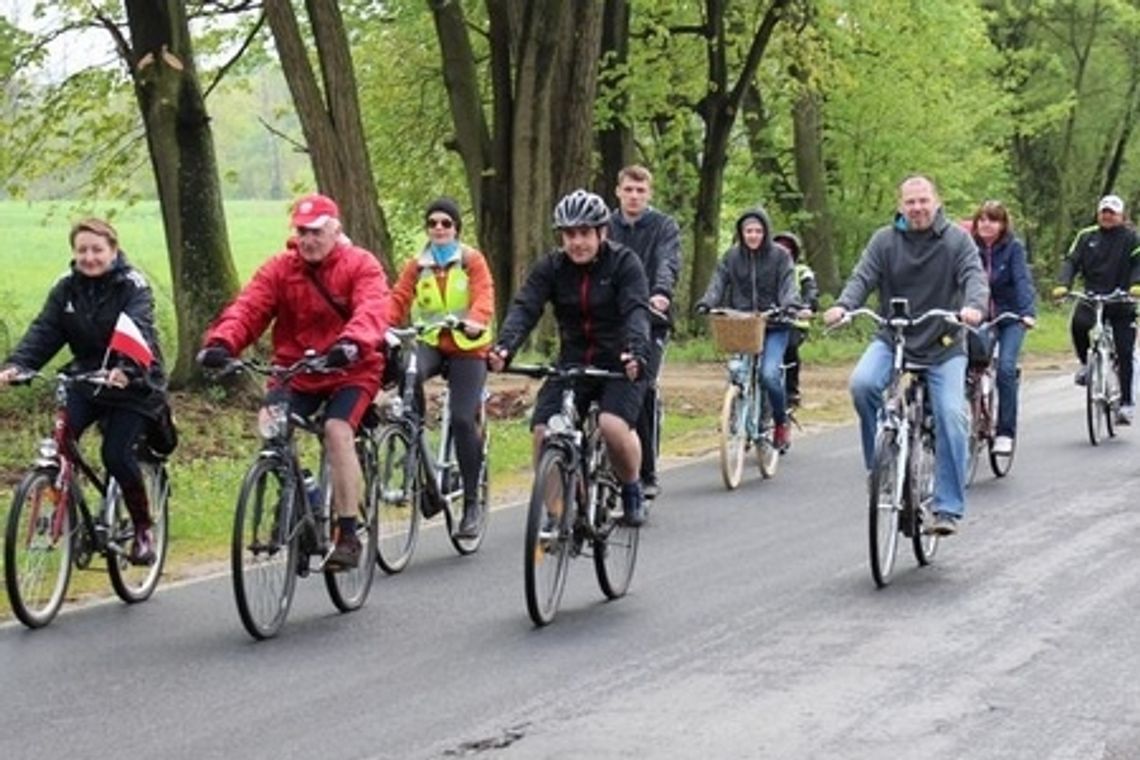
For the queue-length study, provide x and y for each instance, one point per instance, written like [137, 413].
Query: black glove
[342, 354]
[214, 356]
[702, 308]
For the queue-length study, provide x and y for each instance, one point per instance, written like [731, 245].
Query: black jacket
[1106, 259]
[600, 307]
[656, 239]
[81, 312]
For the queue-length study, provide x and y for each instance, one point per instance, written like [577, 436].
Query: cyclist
[755, 274]
[933, 263]
[1011, 289]
[325, 294]
[598, 291]
[1107, 257]
[656, 239]
[449, 278]
[808, 295]
[103, 310]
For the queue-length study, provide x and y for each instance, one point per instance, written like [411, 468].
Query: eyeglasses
[445, 223]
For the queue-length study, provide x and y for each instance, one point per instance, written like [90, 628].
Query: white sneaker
[1003, 445]
[1125, 414]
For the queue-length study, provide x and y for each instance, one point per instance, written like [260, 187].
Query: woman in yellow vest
[449, 278]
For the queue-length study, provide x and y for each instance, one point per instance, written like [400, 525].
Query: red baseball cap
[314, 210]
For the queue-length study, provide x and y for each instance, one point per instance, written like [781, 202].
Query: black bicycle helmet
[581, 209]
[790, 242]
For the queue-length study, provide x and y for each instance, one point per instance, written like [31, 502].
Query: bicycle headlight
[392, 408]
[48, 449]
[558, 424]
[273, 421]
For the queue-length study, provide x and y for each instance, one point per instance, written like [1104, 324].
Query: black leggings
[121, 430]
[466, 376]
[1123, 334]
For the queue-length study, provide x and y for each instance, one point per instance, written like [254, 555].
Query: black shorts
[620, 397]
[348, 403]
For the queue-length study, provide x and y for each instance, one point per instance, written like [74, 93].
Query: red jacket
[283, 292]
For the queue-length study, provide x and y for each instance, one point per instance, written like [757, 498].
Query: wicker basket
[738, 332]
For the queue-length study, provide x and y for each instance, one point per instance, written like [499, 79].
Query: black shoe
[632, 506]
[470, 524]
[346, 554]
[142, 549]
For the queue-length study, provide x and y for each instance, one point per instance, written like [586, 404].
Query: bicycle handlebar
[1116, 296]
[899, 322]
[311, 363]
[772, 314]
[573, 372]
[97, 377]
[408, 335]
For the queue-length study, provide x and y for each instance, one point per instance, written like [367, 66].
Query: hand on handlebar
[497, 358]
[342, 354]
[631, 364]
[970, 316]
[214, 356]
[834, 315]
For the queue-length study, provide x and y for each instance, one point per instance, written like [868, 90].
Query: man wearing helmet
[599, 293]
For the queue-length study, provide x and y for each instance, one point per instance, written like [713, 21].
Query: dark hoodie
[749, 280]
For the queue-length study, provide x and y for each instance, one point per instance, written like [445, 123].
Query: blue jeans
[775, 343]
[946, 384]
[1009, 338]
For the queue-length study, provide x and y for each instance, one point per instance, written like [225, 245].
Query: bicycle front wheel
[37, 549]
[135, 583]
[733, 435]
[349, 589]
[400, 493]
[975, 423]
[920, 482]
[884, 504]
[263, 551]
[1096, 402]
[549, 535]
[615, 545]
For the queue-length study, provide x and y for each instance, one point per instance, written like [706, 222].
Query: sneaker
[346, 554]
[1125, 414]
[649, 488]
[944, 524]
[469, 525]
[1082, 376]
[782, 436]
[142, 549]
[632, 505]
[1003, 445]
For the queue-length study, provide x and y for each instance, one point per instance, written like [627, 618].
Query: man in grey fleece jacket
[934, 264]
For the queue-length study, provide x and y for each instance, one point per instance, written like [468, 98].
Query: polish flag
[129, 341]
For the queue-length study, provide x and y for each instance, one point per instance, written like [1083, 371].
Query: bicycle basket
[740, 333]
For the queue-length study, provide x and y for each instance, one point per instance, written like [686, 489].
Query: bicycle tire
[733, 434]
[263, 549]
[38, 545]
[883, 513]
[1000, 464]
[549, 535]
[975, 420]
[920, 483]
[465, 546]
[615, 545]
[767, 455]
[348, 589]
[398, 518]
[1111, 397]
[136, 583]
[1094, 392]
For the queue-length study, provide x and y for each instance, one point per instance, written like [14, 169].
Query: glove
[342, 354]
[1060, 291]
[1134, 291]
[214, 356]
[702, 308]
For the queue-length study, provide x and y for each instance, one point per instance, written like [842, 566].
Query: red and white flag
[129, 341]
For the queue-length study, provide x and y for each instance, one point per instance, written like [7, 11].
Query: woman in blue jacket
[1011, 289]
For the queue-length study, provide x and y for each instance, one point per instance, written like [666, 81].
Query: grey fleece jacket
[937, 268]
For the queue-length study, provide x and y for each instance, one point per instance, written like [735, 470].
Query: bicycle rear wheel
[263, 550]
[349, 589]
[467, 546]
[37, 549]
[549, 535]
[733, 435]
[135, 583]
[920, 482]
[400, 493]
[1096, 404]
[884, 504]
[615, 547]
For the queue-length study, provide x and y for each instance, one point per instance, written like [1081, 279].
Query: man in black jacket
[1107, 257]
[599, 293]
[656, 239]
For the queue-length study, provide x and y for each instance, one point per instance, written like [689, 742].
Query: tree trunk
[818, 232]
[181, 149]
[575, 90]
[615, 139]
[785, 197]
[330, 120]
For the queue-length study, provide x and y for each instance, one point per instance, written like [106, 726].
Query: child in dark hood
[807, 291]
[755, 274]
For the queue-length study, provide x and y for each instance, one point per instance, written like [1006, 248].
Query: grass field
[218, 440]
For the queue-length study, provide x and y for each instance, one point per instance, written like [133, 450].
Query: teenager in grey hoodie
[934, 264]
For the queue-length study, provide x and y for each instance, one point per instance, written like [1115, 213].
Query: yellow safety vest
[431, 304]
[802, 271]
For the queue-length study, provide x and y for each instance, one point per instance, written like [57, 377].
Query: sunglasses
[445, 223]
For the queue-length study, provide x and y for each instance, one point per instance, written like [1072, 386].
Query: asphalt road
[752, 630]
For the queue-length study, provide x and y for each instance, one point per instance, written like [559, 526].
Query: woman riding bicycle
[446, 279]
[1011, 290]
[103, 310]
[755, 275]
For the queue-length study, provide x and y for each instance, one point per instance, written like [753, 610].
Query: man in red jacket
[325, 294]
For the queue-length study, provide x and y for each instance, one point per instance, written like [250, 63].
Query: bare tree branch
[236, 56]
[298, 146]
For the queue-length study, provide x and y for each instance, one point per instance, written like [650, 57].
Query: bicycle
[51, 529]
[901, 483]
[746, 414]
[575, 502]
[279, 526]
[1102, 384]
[414, 481]
[982, 401]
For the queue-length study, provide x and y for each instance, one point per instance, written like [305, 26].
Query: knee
[339, 436]
[463, 423]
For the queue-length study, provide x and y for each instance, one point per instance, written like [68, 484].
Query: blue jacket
[1011, 285]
